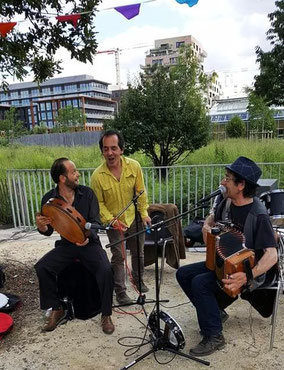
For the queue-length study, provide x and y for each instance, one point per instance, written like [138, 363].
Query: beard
[71, 184]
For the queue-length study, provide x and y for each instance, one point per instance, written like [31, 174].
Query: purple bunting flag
[129, 11]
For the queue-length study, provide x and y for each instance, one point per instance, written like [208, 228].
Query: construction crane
[116, 53]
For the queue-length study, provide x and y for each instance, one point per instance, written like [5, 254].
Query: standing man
[90, 253]
[247, 213]
[115, 182]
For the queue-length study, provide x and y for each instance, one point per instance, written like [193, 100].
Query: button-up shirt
[114, 195]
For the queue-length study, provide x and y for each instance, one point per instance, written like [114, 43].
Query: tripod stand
[160, 340]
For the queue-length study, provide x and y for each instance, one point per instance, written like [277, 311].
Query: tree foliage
[68, 119]
[261, 117]
[235, 127]
[270, 82]
[32, 45]
[11, 126]
[163, 114]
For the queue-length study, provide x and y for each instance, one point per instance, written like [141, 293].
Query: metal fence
[181, 185]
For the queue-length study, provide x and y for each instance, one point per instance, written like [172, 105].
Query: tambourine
[66, 220]
[172, 332]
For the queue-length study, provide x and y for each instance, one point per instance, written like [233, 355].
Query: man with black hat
[246, 213]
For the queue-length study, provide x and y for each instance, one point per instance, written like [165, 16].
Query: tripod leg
[188, 356]
[139, 359]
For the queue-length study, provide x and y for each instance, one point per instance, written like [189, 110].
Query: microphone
[90, 225]
[220, 190]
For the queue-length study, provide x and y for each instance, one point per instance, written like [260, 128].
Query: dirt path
[81, 344]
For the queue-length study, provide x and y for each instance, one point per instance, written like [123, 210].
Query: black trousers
[92, 257]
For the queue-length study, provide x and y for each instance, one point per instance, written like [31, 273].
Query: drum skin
[66, 220]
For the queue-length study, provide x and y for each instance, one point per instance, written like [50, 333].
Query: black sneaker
[224, 316]
[208, 345]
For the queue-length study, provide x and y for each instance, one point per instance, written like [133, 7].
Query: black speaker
[266, 185]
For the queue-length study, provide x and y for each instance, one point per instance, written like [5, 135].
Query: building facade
[166, 52]
[224, 110]
[39, 105]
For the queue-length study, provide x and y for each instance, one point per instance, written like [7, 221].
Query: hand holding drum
[66, 220]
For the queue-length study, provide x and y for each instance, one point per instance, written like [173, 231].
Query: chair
[163, 236]
[276, 285]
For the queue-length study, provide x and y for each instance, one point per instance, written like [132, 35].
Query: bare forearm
[266, 262]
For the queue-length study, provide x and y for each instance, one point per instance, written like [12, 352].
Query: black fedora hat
[246, 169]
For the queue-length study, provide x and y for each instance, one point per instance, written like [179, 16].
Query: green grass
[20, 157]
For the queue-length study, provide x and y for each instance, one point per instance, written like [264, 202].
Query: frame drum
[274, 202]
[66, 220]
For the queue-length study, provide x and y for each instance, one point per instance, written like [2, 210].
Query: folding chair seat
[276, 285]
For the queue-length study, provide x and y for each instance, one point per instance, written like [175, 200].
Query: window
[24, 93]
[179, 44]
[173, 60]
[57, 89]
[34, 92]
[14, 94]
[71, 87]
[45, 91]
[25, 102]
[48, 106]
[42, 106]
[157, 61]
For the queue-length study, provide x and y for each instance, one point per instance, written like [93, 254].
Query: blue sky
[229, 30]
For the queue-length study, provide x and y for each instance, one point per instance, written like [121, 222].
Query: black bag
[14, 302]
[2, 278]
[193, 231]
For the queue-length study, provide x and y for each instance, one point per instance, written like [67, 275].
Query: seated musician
[90, 253]
[200, 284]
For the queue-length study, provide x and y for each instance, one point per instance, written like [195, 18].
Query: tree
[270, 82]
[261, 117]
[12, 126]
[236, 127]
[163, 113]
[68, 118]
[41, 129]
[33, 49]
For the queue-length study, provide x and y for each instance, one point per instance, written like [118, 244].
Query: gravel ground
[80, 344]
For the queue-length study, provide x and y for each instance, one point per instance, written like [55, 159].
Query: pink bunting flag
[129, 11]
[73, 18]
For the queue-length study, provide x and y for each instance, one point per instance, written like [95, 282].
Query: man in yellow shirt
[115, 182]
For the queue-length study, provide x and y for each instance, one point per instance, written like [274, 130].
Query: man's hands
[42, 222]
[118, 225]
[235, 281]
[147, 221]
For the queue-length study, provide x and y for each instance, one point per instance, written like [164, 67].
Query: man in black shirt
[90, 252]
[241, 208]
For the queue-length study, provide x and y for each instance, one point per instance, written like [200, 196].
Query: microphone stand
[142, 297]
[160, 340]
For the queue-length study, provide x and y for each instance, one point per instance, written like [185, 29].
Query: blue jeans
[200, 285]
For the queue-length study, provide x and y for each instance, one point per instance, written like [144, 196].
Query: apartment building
[166, 52]
[39, 105]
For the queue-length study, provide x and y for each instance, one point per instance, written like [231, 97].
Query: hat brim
[239, 174]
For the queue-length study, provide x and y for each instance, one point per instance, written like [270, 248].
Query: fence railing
[181, 185]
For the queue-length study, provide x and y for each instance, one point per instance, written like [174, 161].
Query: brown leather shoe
[56, 317]
[107, 325]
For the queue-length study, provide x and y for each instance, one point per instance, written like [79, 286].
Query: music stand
[159, 341]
